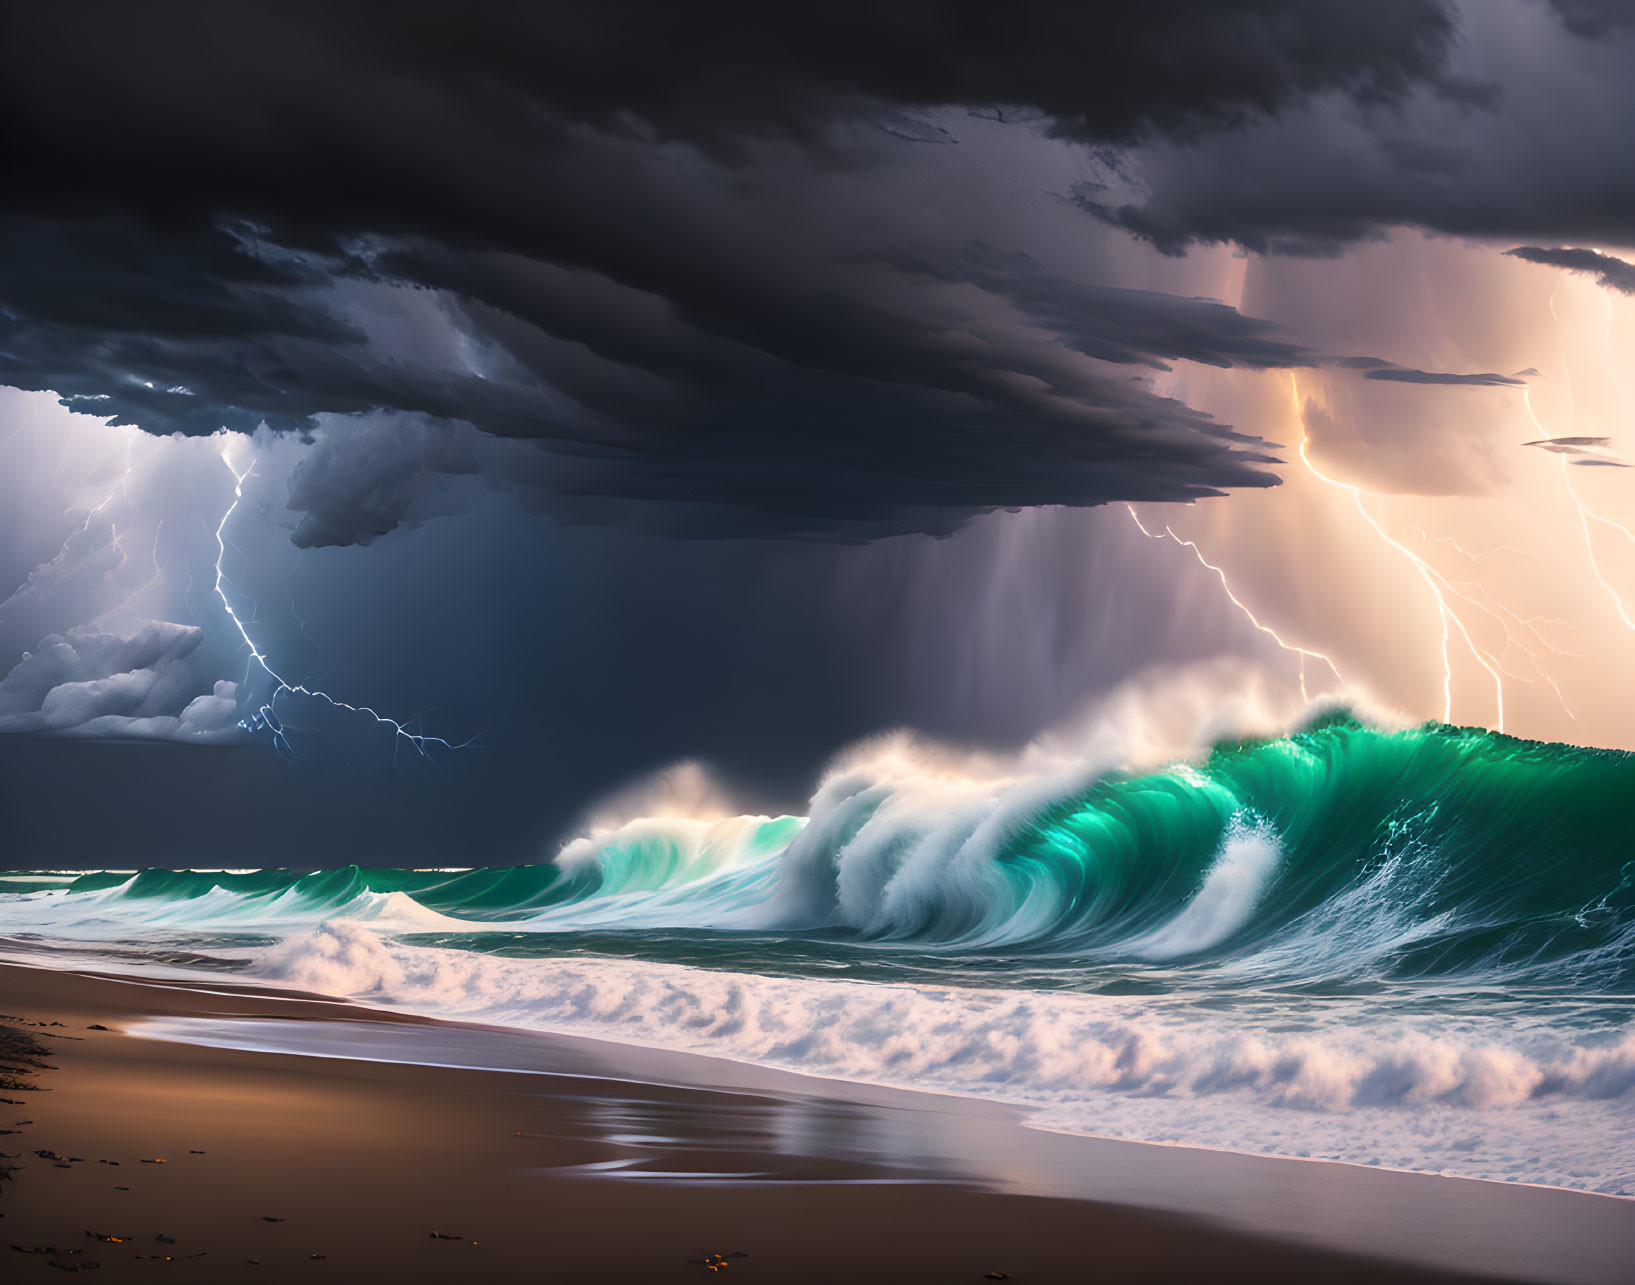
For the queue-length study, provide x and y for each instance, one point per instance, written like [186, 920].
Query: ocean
[1413, 948]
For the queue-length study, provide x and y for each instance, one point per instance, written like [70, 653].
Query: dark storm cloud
[846, 398]
[1390, 372]
[1584, 448]
[1140, 327]
[1564, 443]
[1590, 19]
[1612, 272]
[1544, 154]
[170, 332]
[260, 98]
[642, 259]
[192, 330]
[1402, 375]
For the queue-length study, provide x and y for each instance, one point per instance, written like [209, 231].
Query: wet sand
[592, 1162]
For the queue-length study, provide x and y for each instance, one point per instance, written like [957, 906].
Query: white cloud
[88, 682]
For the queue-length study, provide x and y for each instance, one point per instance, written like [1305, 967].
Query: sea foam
[1469, 1096]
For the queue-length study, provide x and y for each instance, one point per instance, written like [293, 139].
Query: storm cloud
[1538, 150]
[1404, 375]
[1390, 372]
[678, 257]
[1608, 270]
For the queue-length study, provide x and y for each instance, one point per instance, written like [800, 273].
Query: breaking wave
[1455, 1092]
[1337, 852]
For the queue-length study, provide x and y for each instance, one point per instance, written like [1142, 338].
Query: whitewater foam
[1231, 890]
[1468, 1096]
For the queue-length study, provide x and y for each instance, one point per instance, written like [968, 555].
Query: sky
[584, 397]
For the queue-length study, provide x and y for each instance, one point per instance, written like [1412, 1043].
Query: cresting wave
[1318, 855]
[1335, 854]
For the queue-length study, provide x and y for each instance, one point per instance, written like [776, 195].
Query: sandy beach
[602, 1163]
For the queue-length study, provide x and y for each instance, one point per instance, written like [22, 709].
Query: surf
[1336, 851]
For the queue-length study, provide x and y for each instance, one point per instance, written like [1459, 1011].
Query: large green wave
[1338, 850]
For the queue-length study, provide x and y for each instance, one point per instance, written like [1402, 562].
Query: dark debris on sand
[718, 1262]
[21, 1057]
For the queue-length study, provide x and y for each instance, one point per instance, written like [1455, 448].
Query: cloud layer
[744, 271]
[1610, 271]
[1538, 148]
[752, 271]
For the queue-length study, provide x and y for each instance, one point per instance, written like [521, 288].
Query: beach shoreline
[559, 1157]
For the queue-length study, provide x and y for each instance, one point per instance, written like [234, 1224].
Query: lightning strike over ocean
[1427, 575]
[1303, 653]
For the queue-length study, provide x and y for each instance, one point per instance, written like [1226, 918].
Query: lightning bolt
[1440, 586]
[1427, 574]
[1585, 513]
[1497, 613]
[1220, 574]
[267, 714]
[42, 573]
[1480, 558]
